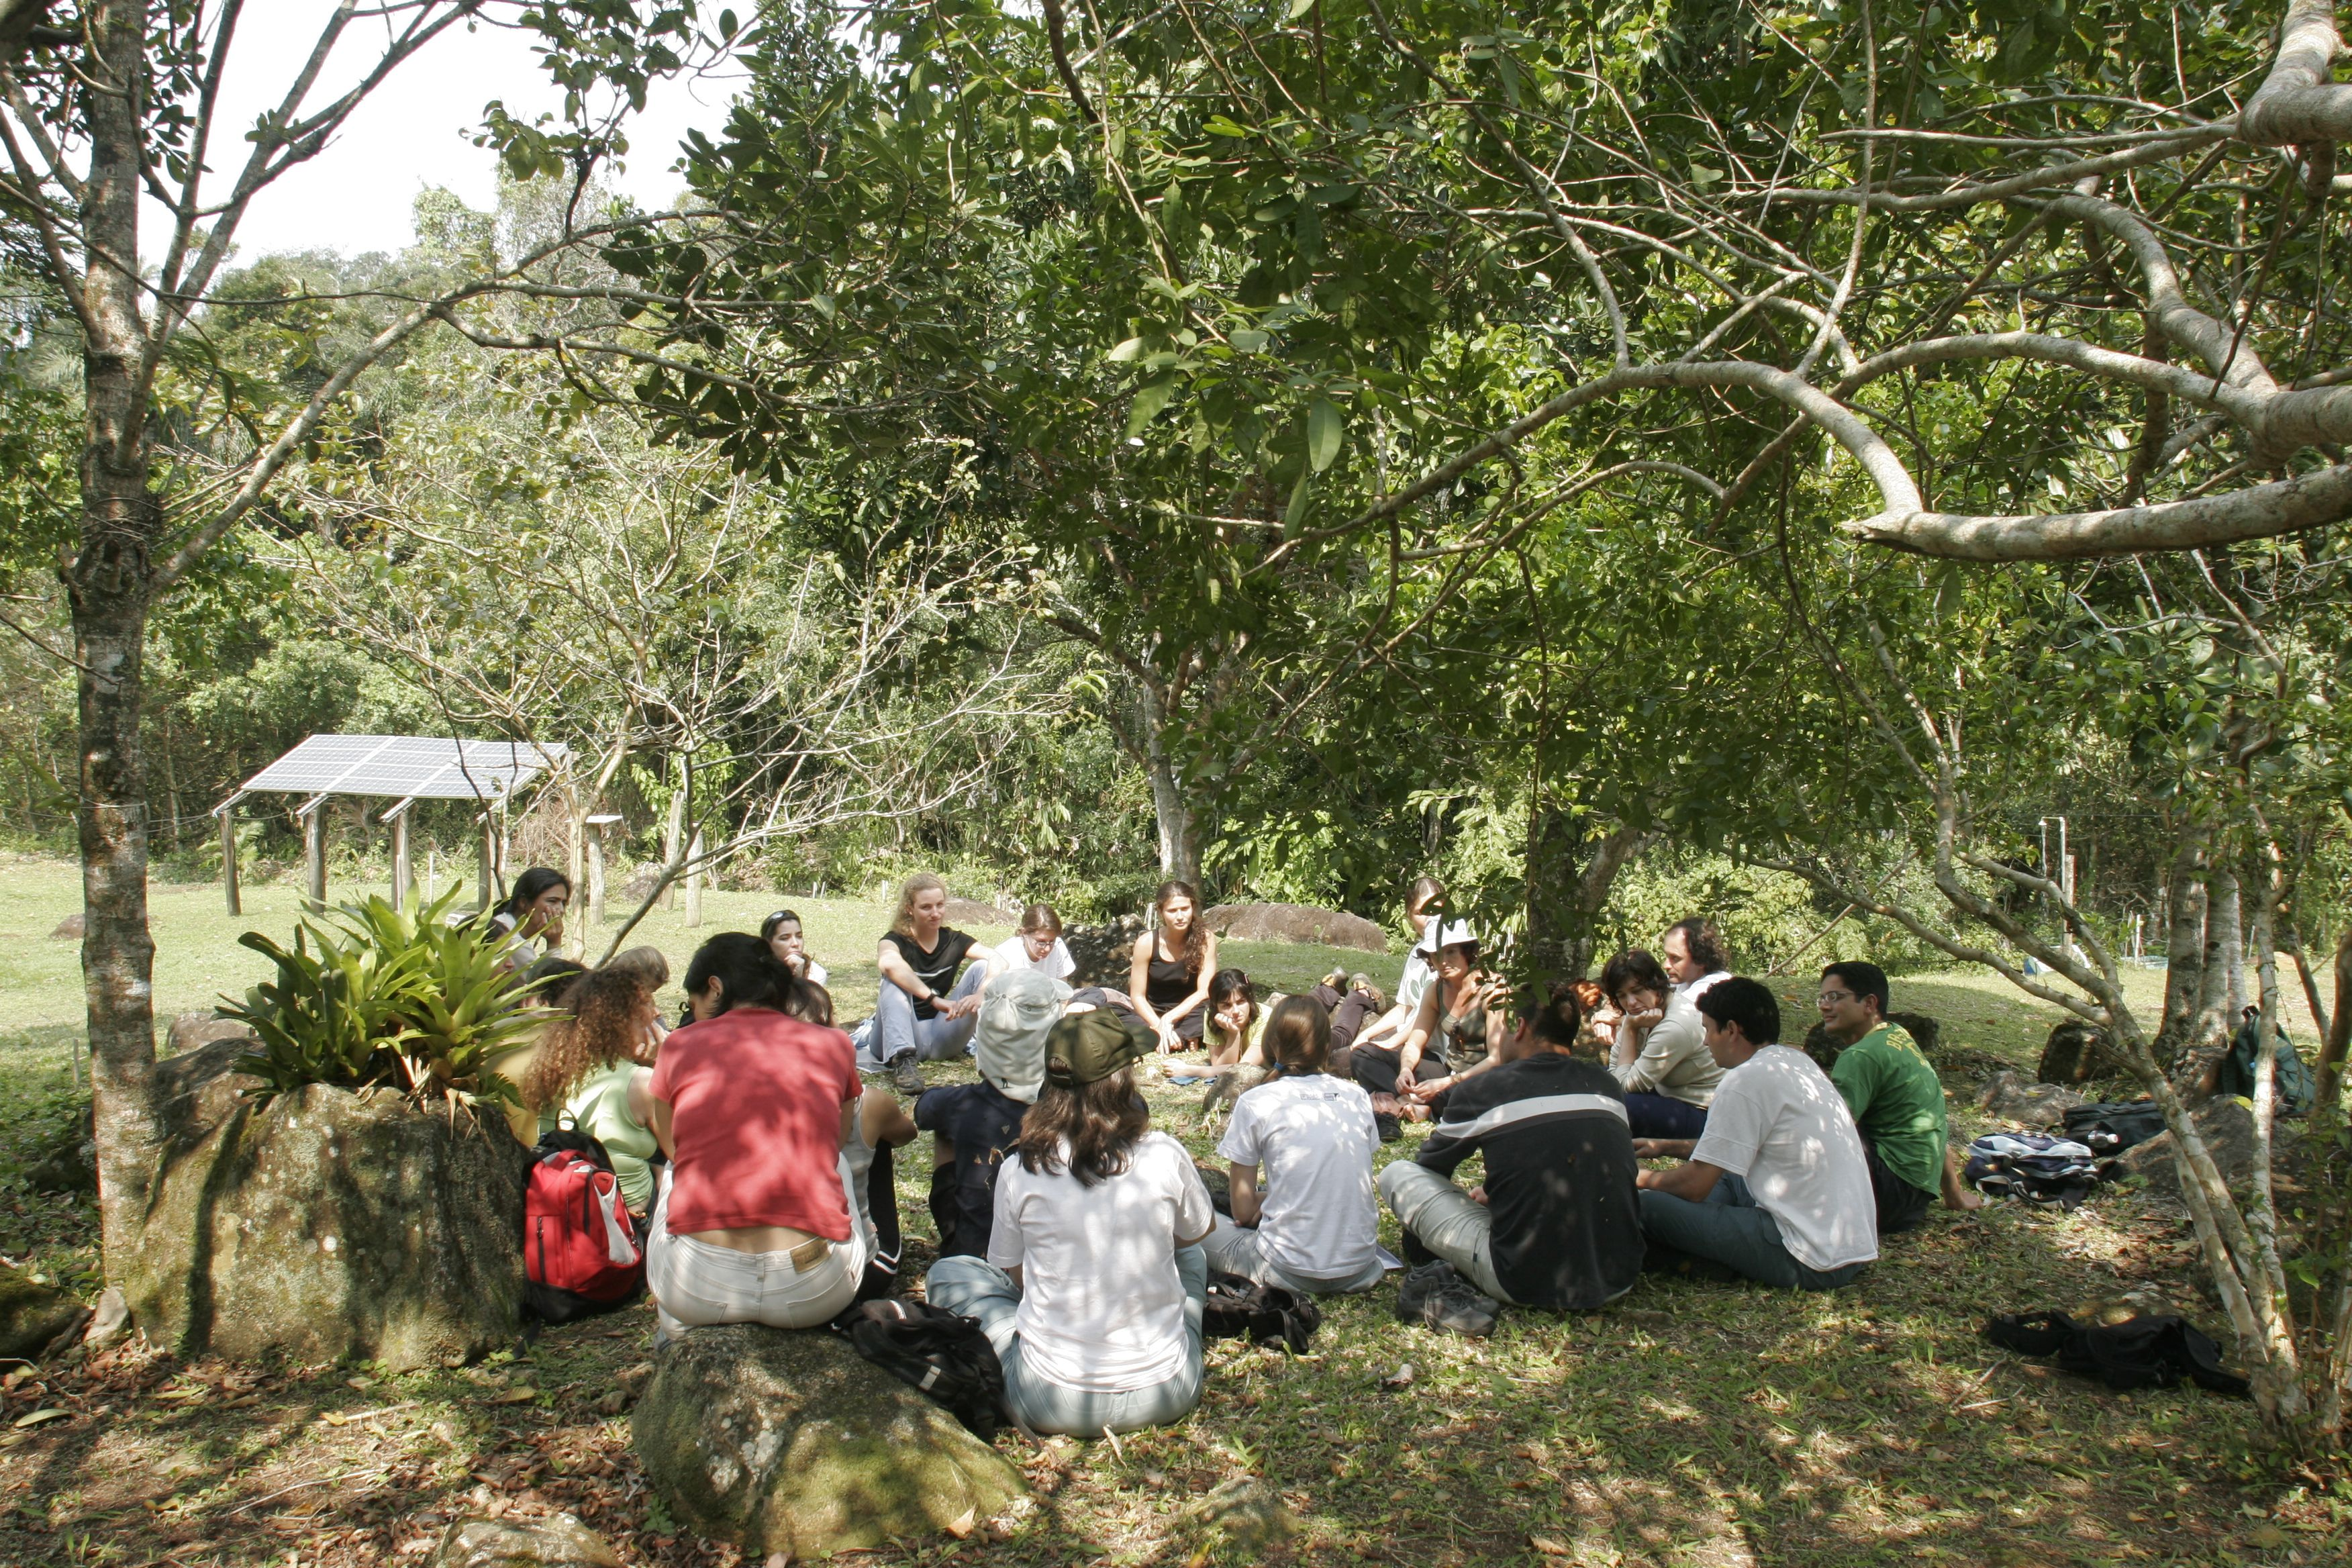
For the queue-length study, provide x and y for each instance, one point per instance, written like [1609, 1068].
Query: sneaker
[1360, 981]
[1436, 1296]
[907, 1073]
[1390, 1128]
[1461, 1308]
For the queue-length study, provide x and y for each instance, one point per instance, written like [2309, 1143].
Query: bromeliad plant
[373, 995]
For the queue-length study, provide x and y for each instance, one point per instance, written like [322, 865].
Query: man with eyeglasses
[1897, 1100]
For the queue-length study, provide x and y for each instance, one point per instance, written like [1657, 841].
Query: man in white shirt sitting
[1777, 1188]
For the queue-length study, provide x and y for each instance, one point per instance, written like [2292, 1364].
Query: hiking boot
[1436, 1296]
[907, 1073]
[1461, 1308]
[1360, 981]
[1389, 1126]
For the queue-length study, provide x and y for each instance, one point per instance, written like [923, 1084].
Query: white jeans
[695, 1284]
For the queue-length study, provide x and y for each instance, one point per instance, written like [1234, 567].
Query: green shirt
[1898, 1102]
[600, 1107]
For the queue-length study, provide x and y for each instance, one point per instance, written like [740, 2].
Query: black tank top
[1167, 982]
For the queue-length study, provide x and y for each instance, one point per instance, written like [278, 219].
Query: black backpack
[1268, 1315]
[940, 1353]
[2140, 1353]
[2110, 1127]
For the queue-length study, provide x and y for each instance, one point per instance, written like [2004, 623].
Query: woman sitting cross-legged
[924, 1011]
[754, 1107]
[1170, 971]
[1449, 1014]
[1316, 1227]
[1094, 1282]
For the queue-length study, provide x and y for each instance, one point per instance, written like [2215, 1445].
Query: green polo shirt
[1898, 1102]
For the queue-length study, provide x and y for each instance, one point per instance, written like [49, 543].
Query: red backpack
[580, 1250]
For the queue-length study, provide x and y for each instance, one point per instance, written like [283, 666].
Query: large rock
[561, 1541]
[1102, 953]
[789, 1442]
[2227, 1126]
[190, 1030]
[964, 913]
[324, 1223]
[1295, 922]
[32, 1315]
[1925, 1032]
[2076, 1052]
[2011, 1099]
[69, 929]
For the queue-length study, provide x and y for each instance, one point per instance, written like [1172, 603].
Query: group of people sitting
[1081, 1239]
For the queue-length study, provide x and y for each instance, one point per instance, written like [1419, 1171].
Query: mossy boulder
[784, 1441]
[561, 1541]
[323, 1223]
[32, 1315]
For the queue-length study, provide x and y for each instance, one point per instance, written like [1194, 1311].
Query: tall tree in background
[113, 107]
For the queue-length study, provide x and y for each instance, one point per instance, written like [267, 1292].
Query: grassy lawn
[1687, 1423]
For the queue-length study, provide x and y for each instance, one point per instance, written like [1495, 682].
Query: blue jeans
[1662, 1116]
[977, 1289]
[896, 1028]
[1730, 1228]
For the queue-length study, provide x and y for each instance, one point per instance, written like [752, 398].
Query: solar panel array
[429, 767]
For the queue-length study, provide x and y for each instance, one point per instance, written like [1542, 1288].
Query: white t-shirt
[1102, 1308]
[1779, 1121]
[1010, 955]
[1312, 1138]
[816, 976]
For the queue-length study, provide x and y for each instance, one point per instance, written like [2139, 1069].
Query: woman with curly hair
[595, 1065]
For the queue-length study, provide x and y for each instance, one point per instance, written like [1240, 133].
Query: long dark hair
[526, 890]
[1552, 1013]
[1223, 986]
[1635, 969]
[749, 975]
[1101, 1122]
[1196, 935]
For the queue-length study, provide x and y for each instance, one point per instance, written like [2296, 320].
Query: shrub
[372, 995]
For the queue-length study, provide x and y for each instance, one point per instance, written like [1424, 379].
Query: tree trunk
[1179, 834]
[2329, 1074]
[109, 582]
[2225, 951]
[2184, 945]
[1570, 871]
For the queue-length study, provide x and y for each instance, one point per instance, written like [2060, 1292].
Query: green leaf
[1126, 350]
[1246, 341]
[1218, 125]
[1150, 400]
[1300, 7]
[1325, 431]
[1296, 512]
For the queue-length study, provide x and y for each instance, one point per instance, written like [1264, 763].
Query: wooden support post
[402, 877]
[229, 860]
[489, 857]
[314, 857]
[694, 881]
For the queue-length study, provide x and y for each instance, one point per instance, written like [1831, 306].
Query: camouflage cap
[1086, 1047]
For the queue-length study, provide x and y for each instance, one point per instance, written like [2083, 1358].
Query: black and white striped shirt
[1559, 1177]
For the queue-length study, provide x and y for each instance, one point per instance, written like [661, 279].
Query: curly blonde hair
[613, 1010]
[921, 882]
